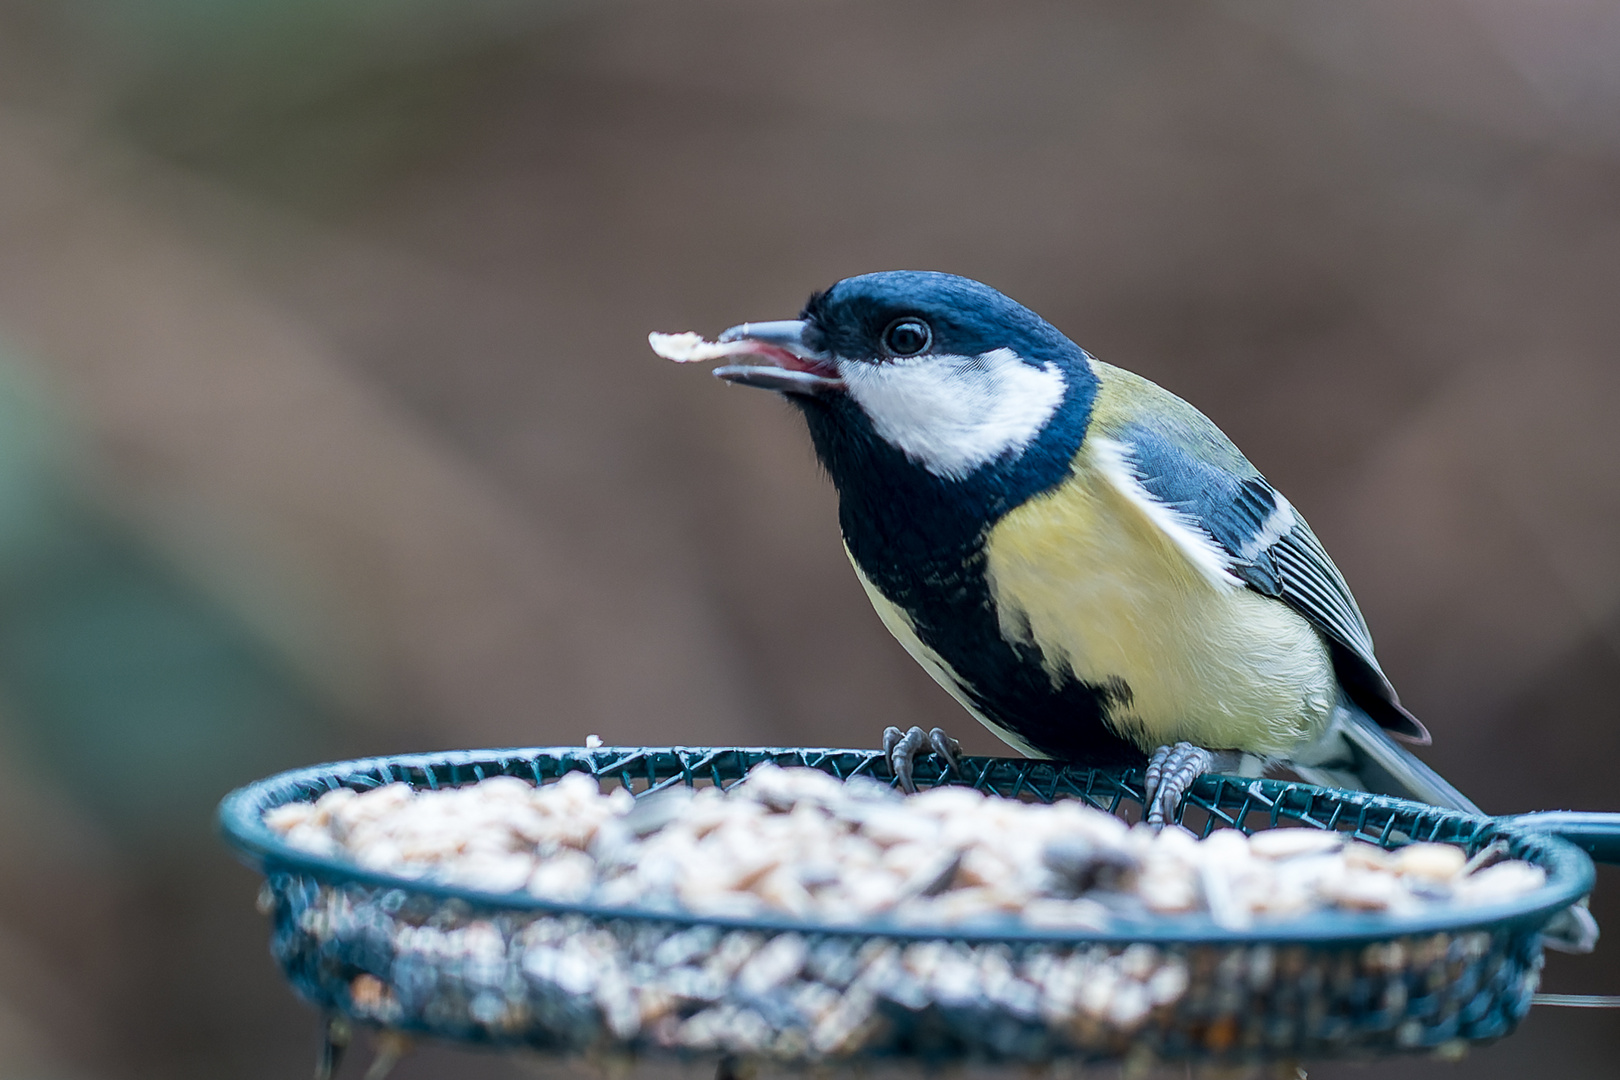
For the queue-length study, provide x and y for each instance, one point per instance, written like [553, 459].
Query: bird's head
[926, 373]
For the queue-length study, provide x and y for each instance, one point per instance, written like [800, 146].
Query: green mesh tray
[495, 969]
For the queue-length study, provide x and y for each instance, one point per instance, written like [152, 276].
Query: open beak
[792, 362]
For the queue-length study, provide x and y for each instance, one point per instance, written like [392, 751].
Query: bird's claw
[392, 1047]
[335, 1036]
[902, 747]
[1572, 930]
[1170, 773]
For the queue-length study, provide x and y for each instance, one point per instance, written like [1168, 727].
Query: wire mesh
[516, 970]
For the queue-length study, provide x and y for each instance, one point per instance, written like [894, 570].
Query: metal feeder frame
[1330, 984]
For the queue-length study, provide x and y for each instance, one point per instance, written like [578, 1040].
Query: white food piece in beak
[689, 348]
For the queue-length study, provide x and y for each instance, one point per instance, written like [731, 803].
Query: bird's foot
[335, 1035]
[1170, 773]
[1572, 930]
[902, 748]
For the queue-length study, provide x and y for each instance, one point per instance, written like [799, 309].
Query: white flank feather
[1191, 538]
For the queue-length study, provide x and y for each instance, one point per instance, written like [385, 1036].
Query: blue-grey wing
[1273, 551]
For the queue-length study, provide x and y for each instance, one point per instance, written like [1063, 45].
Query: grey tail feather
[1368, 759]
[1360, 754]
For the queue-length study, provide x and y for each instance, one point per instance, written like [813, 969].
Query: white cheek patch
[952, 414]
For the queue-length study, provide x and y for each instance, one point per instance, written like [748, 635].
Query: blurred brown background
[328, 427]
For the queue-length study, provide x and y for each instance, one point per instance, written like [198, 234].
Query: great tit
[1079, 557]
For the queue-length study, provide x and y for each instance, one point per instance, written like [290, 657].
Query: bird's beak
[793, 362]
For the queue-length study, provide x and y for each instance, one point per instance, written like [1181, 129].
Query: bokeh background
[328, 427]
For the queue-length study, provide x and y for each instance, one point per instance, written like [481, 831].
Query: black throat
[919, 539]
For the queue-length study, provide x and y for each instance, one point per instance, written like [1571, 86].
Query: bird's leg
[335, 1035]
[902, 748]
[1170, 773]
[391, 1047]
[1572, 930]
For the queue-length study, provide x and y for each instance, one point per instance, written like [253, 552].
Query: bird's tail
[1357, 753]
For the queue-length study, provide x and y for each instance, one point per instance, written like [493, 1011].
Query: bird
[1082, 559]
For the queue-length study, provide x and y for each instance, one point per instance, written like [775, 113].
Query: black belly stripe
[919, 539]
[1006, 681]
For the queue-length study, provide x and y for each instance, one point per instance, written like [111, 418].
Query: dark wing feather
[1275, 553]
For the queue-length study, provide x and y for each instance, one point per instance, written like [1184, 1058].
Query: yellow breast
[1110, 585]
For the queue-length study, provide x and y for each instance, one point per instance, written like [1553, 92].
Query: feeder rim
[240, 818]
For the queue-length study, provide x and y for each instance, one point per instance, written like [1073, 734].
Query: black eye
[907, 337]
